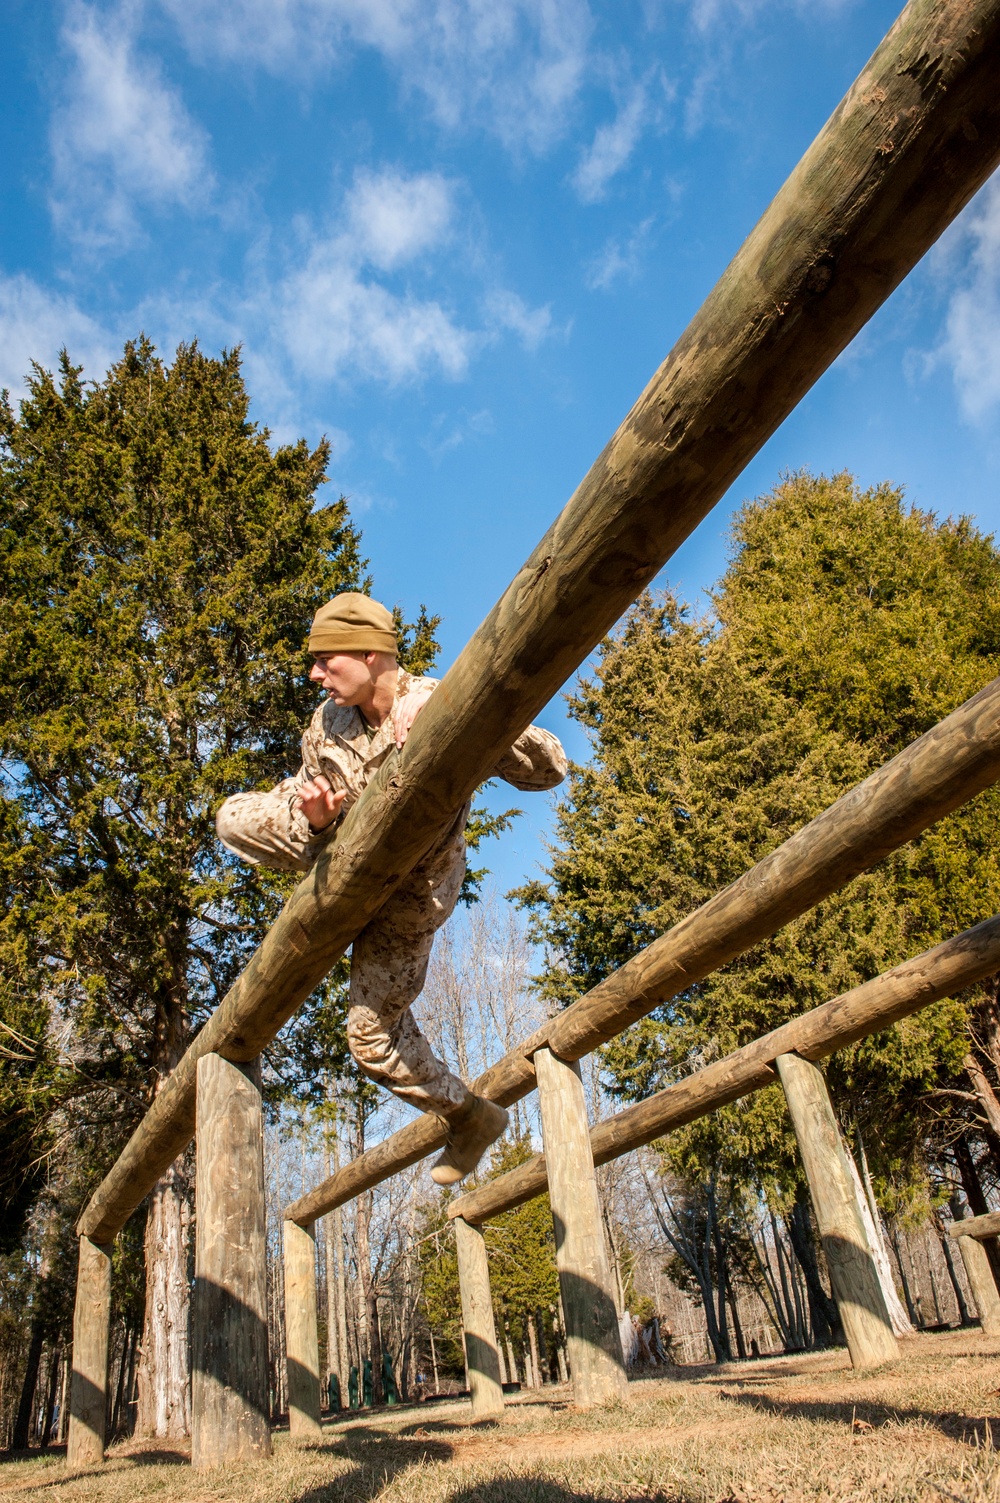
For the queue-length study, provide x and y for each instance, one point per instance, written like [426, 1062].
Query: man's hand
[406, 712]
[319, 803]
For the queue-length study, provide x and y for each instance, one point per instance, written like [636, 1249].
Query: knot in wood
[819, 276]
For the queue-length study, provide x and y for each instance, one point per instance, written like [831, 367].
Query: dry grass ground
[791, 1429]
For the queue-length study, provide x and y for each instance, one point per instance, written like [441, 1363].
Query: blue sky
[458, 236]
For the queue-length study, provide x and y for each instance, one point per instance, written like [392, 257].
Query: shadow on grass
[974, 1431]
[381, 1457]
[504, 1489]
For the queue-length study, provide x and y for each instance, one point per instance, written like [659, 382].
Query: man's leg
[389, 962]
[388, 968]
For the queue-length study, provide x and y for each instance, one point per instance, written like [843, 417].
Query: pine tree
[846, 625]
[160, 564]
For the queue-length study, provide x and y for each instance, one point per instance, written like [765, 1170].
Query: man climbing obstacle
[370, 706]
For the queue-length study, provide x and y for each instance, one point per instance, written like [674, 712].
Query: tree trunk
[164, 1408]
[984, 1091]
[374, 1341]
[974, 1194]
[823, 1313]
[55, 1368]
[25, 1408]
[949, 1261]
[533, 1348]
[872, 1217]
[164, 1388]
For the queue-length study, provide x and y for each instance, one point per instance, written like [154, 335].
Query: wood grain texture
[301, 1332]
[89, 1380]
[981, 1282]
[854, 1279]
[230, 1412]
[940, 972]
[915, 136]
[478, 1326]
[592, 1337]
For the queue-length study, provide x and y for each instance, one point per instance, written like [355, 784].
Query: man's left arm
[535, 762]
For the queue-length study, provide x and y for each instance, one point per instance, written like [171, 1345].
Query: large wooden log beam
[478, 1326]
[981, 1282]
[88, 1391]
[302, 1333]
[935, 774]
[230, 1418]
[593, 1340]
[854, 1279]
[941, 972]
[915, 136]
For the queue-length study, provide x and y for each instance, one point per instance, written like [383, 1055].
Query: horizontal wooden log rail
[980, 1227]
[940, 972]
[942, 769]
[915, 136]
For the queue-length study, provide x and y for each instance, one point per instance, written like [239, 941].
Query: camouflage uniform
[389, 957]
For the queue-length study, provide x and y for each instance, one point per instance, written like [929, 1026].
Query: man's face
[346, 676]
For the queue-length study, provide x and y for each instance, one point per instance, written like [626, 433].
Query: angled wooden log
[937, 772]
[912, 140]
[853, 1276]
[88, 1397]
[230, 1418]
[941, 972]
[478, 1326]
[301, 1332]
[588, 1302]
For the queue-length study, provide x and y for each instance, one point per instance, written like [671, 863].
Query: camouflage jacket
[337, 744]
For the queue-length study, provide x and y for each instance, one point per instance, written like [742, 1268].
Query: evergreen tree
[160, 564]
[846, 625]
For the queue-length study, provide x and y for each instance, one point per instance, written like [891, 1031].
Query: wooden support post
[981, 1281]
[853, 1275]
[595, 1352]
[229, 1396]
[301, 1332]
[481, 1354]
[88, 1400]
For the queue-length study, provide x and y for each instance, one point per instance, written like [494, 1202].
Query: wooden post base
[481, 1354]
[981, 1282]
[853, 1275]
[301, 1333]
[229, 1395]
[88, 1399]
[592, 1338]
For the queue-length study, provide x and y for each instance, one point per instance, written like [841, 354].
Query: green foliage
[520, 1247]
[159, 565]
[846, 625]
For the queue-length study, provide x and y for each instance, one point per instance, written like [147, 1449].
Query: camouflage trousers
[389, 959]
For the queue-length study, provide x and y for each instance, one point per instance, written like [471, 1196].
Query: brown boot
[471, 1130]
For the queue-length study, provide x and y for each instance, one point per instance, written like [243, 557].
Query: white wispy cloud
[393, 217]
[35, 324]
[512, 67]
[121, 137]
[971, 343]
[334, 317]
[613, 144]
[619, 258]
[506, 310]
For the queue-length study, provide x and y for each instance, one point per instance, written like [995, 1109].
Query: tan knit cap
[352, 623]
